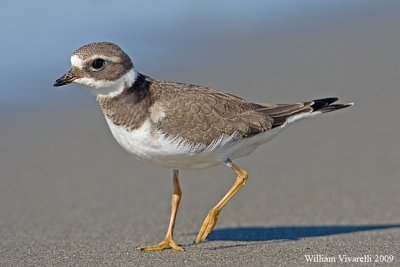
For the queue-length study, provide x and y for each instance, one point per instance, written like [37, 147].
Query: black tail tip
[326, 104]
[328, 100]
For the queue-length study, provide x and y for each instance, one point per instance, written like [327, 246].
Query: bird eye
[97, 64]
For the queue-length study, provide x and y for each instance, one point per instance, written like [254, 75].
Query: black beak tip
[65, 79]
[58, 83]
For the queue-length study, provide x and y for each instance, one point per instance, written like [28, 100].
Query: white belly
[154, 147]
[149, 145]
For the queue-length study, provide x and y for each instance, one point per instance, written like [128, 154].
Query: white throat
[105, 88]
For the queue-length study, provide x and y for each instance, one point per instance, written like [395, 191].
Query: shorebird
[180, 125]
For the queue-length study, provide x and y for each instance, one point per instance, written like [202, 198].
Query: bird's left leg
[211, 219]
[168, 240]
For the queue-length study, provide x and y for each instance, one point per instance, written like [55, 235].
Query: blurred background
[65, 184]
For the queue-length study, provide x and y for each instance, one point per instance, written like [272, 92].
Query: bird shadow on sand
[290, 232]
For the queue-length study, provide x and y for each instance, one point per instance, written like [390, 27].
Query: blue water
[38, 37]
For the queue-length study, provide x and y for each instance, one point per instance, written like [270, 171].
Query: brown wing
[202, 115]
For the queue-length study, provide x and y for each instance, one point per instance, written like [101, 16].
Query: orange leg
[211, 219]
[168, 240]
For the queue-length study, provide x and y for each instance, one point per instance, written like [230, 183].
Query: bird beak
[65, 79]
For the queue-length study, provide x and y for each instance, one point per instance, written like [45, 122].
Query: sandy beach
[328, 186]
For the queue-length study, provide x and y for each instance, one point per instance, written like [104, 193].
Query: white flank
[104, 88]
[149, 144]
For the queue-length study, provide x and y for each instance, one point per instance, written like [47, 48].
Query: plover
[180, 125]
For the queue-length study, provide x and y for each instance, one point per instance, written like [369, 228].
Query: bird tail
[288, 113]
[325, 105]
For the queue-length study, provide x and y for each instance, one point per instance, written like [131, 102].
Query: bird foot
[208, 225]
[167, 243]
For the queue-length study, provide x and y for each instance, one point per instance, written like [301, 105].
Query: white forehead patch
[76, 62]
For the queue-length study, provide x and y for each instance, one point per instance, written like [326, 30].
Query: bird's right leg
[168, 240]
